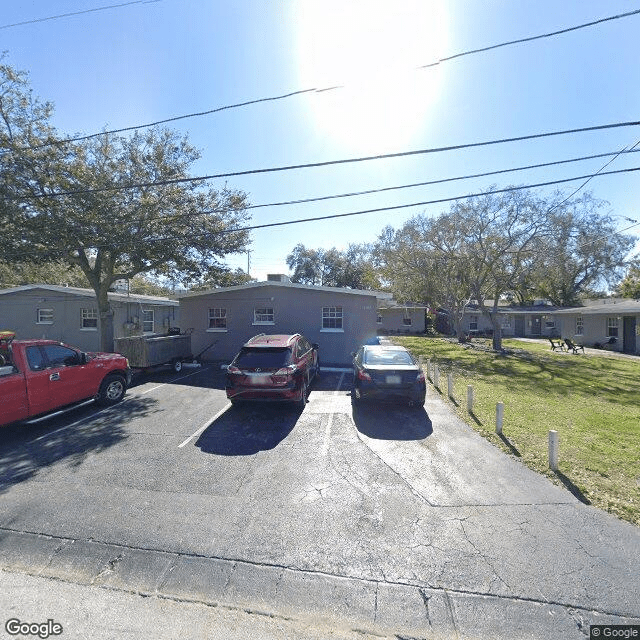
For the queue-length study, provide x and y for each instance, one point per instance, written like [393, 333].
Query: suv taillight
[234, 371]
[363, 375]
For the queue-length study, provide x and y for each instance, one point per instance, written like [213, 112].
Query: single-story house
[338, 319]
[600, 320]
[70, 314]
[394, 317]
[594, 323]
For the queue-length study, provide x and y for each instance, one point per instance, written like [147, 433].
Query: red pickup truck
[41, 376]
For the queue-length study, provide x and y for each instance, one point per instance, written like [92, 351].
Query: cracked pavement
[382, 519]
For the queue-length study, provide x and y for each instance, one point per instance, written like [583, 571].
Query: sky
[116, 64]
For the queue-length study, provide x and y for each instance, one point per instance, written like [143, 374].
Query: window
[506, 322]
[473, 323]
[35, 359]
[89, 318]
[579, 326]
[379, 319]
[612, 327]
[217, 319]
[263, 315]
[147, 321]
[59, 356]
[406, 322]
[332, 318]
[550, 323]
[45, 316]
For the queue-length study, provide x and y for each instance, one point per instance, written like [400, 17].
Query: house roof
[605, 307]
[287, 285]
[89, 293]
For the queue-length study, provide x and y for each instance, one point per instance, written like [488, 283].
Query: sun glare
[373, 49]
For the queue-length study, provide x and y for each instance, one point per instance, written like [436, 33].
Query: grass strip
[592, 400]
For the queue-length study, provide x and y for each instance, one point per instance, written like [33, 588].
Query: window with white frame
[612, 327]
[263, 315]
[506, 321]
[217, 319]
[332, 318]
[378, 319]
[89, 318]
[45, 316]
[579, 326]
[550, 322]
[406, 322]
[147, 321]
[473, 323]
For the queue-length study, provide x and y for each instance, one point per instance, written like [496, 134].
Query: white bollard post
[499, 417]
[450, 385]
[436, 376]
[469, 398]
[553, 450]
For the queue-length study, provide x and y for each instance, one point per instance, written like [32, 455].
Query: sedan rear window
[387, 357]
[263, 358]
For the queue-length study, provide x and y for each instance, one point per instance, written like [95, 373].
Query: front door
[629, 335]
[536, 325]
[519, 326]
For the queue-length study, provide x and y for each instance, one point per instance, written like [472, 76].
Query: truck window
[59, 356]
[35, 358]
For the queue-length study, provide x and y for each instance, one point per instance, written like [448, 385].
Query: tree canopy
[113, 206]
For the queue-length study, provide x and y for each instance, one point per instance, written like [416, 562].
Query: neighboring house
[394, 317]
[599, 320]
[535, 321]
[339, 320]
[70, 314]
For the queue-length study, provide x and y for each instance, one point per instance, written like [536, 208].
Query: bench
[556, 345]
[572, 346]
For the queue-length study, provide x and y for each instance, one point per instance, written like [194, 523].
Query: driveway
[384, 519]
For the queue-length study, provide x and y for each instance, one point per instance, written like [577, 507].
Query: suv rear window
[387, 357]
[253, 358]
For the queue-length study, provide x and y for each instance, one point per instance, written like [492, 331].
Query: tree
[114, 206]
[351, 269]
[59, 273]
[581, 251]
[630, 285]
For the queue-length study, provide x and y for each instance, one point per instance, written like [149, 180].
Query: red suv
[273, 367]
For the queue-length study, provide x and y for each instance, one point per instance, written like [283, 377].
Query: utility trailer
[144, 352]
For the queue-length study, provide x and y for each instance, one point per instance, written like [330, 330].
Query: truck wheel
[112, 390]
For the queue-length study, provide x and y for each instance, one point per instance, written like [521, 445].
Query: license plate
[393, 379]
[257, 380]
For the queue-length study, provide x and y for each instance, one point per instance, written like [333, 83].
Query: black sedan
[387, 372]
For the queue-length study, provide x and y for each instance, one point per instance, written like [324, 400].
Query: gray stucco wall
[393, 320]
[19, 313]
[295, 310]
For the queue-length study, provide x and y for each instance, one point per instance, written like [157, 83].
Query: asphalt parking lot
[387, 519]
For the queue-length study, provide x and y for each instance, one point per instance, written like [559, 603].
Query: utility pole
[249, 260]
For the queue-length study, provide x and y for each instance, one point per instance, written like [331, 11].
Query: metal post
[469, 398]
[499, 417]
[553, 450]
[450, 385]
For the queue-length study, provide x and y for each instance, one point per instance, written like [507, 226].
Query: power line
[77, 13]
[327, 163]
[315, 89]
[532, 38]
[377, 210]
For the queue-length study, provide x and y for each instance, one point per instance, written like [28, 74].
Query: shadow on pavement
[248, 429]
[26, 449]
[392, 421]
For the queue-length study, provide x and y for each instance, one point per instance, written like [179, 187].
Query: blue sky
[144, 62]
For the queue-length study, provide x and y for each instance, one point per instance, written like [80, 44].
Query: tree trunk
[497, 331]
[106, 320]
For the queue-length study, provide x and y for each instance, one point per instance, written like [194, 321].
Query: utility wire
[367, 211]
[330, 162]
[330, 88]
[77, 13]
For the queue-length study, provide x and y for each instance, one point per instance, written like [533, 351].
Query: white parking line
[327, 432]
[205, 425]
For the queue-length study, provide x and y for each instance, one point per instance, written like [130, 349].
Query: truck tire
[112, 390]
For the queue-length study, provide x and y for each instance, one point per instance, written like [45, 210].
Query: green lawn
[592, 400]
